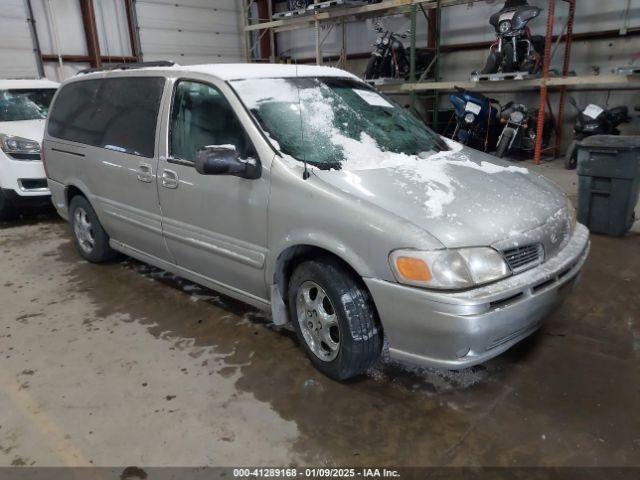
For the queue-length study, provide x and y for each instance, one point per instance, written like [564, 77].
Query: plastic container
[609, 182]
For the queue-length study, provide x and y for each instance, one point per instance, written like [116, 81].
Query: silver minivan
[304, 191]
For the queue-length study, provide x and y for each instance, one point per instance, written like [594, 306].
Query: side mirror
[572, 101]
[225, 160]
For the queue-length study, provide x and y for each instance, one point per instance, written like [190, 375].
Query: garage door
[189, 31]
[17, 59]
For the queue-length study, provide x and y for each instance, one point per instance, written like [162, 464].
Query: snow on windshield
[335, 127]
[330, 122]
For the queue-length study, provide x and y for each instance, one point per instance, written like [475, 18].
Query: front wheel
[334, 317]
[372, 68]
[503, 144]
[493, 63]
[571, 157]
[508, 64]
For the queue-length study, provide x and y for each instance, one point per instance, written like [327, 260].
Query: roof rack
[128, 66]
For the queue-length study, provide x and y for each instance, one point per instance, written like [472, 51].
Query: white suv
[24, 105]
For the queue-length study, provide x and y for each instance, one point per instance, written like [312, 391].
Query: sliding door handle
[145, 173]
[169, 179]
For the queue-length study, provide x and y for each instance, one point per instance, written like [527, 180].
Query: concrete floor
[123, 364]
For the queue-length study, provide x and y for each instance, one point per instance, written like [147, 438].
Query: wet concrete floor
[123, 364]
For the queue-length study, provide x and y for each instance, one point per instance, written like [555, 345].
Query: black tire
[100, 251]
[359, 333]
[493, 63]
[7, 211]
[508, 65]
[372, 68]
[503, 144]
[571, 157]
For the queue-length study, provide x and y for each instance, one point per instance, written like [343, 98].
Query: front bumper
[33, 200]
[460, 329]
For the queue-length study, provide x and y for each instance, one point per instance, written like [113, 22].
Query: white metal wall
[17, 59]
[190, 31]
[185, 31]
[470, 23]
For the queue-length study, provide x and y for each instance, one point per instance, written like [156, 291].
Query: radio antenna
[305, 173]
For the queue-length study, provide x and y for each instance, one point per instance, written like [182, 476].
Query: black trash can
[609, 182]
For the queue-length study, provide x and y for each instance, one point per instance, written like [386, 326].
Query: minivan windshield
[331, 121]
[25, 104]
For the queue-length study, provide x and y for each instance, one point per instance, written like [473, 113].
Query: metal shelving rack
[255, 29]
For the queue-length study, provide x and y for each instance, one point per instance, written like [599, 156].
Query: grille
[523, 258]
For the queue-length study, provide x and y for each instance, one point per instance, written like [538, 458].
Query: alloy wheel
[83, 230]
[318, 321]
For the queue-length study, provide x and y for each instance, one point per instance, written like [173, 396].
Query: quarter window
[117, 113]
[201, 116]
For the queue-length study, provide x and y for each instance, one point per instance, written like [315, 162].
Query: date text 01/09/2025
[293, 472]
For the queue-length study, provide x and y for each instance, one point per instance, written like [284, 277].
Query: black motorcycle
[515, 49]
[520, 131]
[593, 120]
[390, 58]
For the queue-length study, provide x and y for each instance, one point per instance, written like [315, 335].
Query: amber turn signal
[413, 269]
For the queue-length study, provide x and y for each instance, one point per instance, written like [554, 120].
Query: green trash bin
[609, 181]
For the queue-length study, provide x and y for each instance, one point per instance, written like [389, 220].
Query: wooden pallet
[316, 7]
[290, 14]
[322, 5]
[628, 70]
[499, 77]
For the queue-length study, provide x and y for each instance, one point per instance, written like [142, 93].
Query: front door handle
[169, 179]
[145, 173]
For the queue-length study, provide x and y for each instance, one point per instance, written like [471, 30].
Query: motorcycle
[390, 59]
[593, 120]
[476, 118]
[520, 130]
[515, 48]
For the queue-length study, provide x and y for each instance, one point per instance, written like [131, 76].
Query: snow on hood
[462, 197]
[433, 171]
[30, 129]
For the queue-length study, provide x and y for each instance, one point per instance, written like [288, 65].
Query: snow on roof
[18, 84]
[242, 71]
[238, 71]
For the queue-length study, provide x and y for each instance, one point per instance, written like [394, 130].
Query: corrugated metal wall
[17, 59]
[190, 31]
[186, 31]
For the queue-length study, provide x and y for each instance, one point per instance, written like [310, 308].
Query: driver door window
[201, 116]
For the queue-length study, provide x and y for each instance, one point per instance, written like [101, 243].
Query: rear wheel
[90, 238]
[334, 317]
[503, 144]
[7, 211]
[571, 157]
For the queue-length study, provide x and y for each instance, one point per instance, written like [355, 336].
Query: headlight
[469, 118]
[505, 26]
[571, 211]
[517, 116]
[385, 40]
[19, 148]
[448, 269]
[378, 41]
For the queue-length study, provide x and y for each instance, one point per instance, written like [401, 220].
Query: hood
[462, 197]
[30, 129]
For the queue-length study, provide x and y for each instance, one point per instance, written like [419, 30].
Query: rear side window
[118, 113]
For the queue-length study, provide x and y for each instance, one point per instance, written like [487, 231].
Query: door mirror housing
[225, 160]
